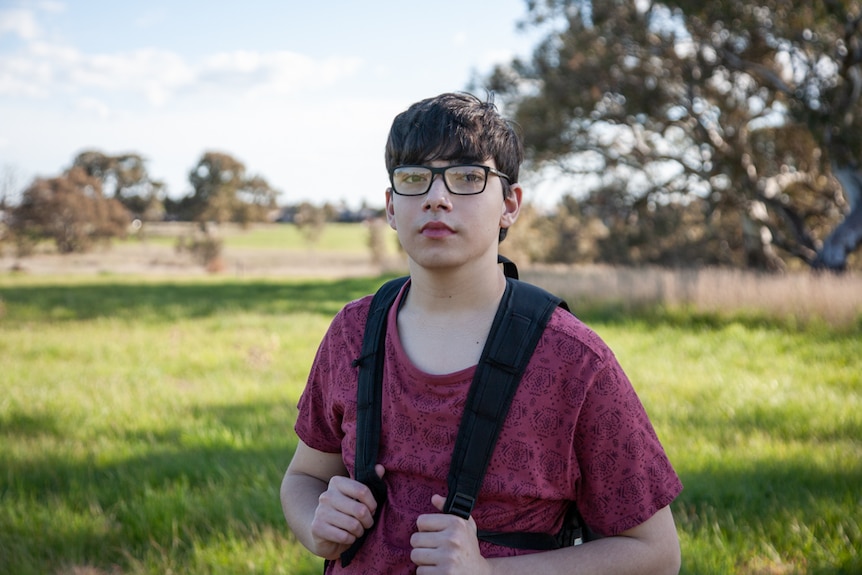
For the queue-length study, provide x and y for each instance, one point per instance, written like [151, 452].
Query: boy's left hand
[446, 544]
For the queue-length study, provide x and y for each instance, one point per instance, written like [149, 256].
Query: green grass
[335, 237]
[342, 237]
[145, 426]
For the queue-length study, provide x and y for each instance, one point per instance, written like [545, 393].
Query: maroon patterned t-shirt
[576, 431]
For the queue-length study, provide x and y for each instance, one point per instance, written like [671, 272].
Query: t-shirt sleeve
[626, 477]
[331, 384]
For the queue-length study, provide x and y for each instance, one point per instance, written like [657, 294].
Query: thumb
[438, 501]
[380, 470]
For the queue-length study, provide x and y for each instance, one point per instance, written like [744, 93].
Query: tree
[69, 209]
[125, 178]
[311, 221]
[224, 193]
[743, 115]
[808, 59]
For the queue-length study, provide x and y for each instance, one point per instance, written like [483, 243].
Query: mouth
[436, 230]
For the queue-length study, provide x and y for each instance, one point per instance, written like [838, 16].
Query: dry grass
[803, 296]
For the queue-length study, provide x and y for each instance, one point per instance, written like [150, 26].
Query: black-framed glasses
[461, 179]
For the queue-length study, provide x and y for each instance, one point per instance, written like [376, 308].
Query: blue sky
[298, 91]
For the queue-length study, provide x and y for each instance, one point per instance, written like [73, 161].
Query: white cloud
[42, 69]
[21, 23]
[274, 73]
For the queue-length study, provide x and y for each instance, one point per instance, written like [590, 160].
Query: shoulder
[347, 328]
[566, 331]
[353, 315]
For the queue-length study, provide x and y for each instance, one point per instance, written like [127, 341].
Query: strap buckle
[462, 505]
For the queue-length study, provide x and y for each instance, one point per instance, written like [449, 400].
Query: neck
[456, 289]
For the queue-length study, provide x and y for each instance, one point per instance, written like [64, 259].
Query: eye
[412, 176]
[469, 175]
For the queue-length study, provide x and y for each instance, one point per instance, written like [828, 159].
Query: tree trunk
[847, 237]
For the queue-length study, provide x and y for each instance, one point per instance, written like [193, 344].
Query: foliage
[743, 115]
[223, 192]
[70, 210]
[125, 177]
[530, 239]
[146, 426]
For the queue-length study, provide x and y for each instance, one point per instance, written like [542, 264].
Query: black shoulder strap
[369, 391]
[369, 400]
[521, 318]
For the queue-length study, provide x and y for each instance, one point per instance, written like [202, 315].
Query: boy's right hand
[344, 512]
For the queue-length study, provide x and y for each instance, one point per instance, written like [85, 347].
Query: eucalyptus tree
[125, 177]
[746, 115]
[224, 192]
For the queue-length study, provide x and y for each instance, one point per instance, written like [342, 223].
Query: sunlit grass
[763, 423]
[145, 426]
[334, 236]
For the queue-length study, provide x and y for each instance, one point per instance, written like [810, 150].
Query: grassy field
[145, 426]
[340, 237]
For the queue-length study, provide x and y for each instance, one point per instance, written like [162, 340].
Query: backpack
[521, 317]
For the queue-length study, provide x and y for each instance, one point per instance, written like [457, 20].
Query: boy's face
[444, 230]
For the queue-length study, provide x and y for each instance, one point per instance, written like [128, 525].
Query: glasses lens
[411, 180]
[466, 179]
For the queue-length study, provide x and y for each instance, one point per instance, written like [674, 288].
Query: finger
[380, 470]
[354, 490]
[431, 522]
[438, 501]
[335, 525]
[423, 540]
[332, 528]
[334, 503]
[422, 557]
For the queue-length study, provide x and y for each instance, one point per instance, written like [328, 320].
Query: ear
[390, 208]
[511, 205]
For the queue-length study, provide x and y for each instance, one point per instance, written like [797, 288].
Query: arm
[449, 543]
[325, 509]
[651, 547]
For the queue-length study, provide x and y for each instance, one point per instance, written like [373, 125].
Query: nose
[438, 196]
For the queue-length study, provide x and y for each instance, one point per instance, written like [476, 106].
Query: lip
[436, 230]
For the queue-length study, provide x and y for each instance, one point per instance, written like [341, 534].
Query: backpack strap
[521, 318]
[369, 400]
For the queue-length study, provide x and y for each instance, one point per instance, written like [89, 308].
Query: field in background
[272, 250]
[343, 250]
[145, 425]
[340, 237]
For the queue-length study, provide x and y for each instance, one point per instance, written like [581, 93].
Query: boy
[575, 432]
